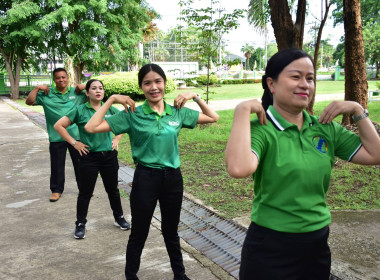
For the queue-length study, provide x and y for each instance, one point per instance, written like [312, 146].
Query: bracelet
[75, 141]
[195, 99]
[362, 116]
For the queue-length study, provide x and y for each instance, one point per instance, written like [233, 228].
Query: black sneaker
[122, 223]
[80, 231]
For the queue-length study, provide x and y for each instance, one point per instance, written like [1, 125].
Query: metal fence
[27, 82]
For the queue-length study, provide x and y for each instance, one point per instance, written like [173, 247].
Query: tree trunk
[78, 69]
[14, 77]
[16, 85]
[69, 66]
[288, 35]
[356, 85]
[310, 107]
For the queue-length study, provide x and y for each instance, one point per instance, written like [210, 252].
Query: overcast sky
[169, 11]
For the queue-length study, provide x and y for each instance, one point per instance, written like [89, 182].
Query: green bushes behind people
[202, 80]
[241, 81]
[126, 83]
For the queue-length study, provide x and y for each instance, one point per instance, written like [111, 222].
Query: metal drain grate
[218, 239]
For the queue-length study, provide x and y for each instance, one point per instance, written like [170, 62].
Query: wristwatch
[362, 116]
[74, 142]
[195, 99]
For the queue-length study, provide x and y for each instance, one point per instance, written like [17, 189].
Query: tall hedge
[126, 83]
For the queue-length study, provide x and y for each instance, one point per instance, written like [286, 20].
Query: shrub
[126, 83]
[202, 80]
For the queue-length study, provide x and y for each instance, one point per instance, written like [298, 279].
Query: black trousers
[90, 166]
[273, 255]
[58, 152]
[149, 186]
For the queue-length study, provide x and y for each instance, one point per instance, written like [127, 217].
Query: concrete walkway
[36, 236]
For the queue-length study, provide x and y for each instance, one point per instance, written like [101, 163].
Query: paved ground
[36, 237]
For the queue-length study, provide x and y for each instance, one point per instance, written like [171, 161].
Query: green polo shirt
[153, 137]
[97, 142]
[56, 105]
[293, 175]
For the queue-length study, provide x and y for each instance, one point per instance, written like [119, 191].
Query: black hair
[275, 65]
[59, 70]
[150, 67]
[89, 82]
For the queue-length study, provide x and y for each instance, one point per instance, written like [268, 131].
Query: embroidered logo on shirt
[72, 97]
[107, 116]
[173, 123]
[320, 143]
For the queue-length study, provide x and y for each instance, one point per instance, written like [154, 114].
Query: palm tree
[248, 52]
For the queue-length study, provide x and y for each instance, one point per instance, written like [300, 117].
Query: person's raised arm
[207, 115]
[97, 123]
[79, 88]
[31, 99]
[369, 153]
[241, 161]
[60, 126]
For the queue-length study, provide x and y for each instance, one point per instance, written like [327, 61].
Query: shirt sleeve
[120, 122]
[347, 143]
[258, 139]
[189, 117]
[114, 110]
[39, 98]
[73, 115]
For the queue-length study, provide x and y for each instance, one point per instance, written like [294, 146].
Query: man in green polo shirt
[57, 102]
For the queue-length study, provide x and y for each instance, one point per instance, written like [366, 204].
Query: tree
[288, 33]
[93, 33]
[369, 16]
[20, 38]
[258, 58]
[371, 35]
[248, 52]
[210, 29]
[356, 85]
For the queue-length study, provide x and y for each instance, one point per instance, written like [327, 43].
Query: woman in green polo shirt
[290, 154]
[98, 154]
[153, 130]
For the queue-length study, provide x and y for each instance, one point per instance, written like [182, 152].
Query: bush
[202, 80]
[126, 83]
[190, 82]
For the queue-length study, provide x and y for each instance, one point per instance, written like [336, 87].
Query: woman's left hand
[337, 108]
[115, 144]
[182, 98]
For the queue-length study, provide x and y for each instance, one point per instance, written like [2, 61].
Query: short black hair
[59, 70]
[89, 82]
[150, 67]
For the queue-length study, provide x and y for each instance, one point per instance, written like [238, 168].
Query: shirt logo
[71, 97]
[107, 116]
[320, 144]
[173, 123]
